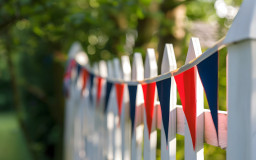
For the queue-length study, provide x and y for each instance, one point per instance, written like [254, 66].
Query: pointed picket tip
[194, 49]
[74, 49]
[168, 61]
[82, 58]
[150, 64]
[117, 69]
[95, 68]
[110, 68]
[103, 71]
[244, 24]
[126, 68]
[137, 67]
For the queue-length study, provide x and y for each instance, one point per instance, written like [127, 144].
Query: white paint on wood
[150, 144]
[125, 116]
[110, 119]
[137, 74]
[194, 51]
[169, 64]
[117, 129]
[241, 100]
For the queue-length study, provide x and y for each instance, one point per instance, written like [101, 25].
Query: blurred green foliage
[36, 35]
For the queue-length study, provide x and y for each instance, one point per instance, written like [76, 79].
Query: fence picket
[137, 74]
[150, 144]
[194, 51]
[125, 119]
[169, 64]
[110, 119]
[117, 128]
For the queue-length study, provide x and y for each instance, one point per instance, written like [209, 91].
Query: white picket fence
[89, 134]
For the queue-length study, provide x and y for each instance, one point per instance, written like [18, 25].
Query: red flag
[99, 86]
[149, 99]
[85, 77]
[186, 84]
[119, 95]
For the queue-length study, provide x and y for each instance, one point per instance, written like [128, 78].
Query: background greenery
[36, 35]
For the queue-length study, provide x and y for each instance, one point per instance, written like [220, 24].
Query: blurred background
[35, 37]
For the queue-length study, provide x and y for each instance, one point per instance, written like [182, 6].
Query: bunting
[108, 90]
[208, 72]
[99, 86]
[119, 95]
[67, 76]
[85, 75]
[164, 89]
[149, 99]
[186, 84]
[132, 96]
[78, 70]
[91, 86]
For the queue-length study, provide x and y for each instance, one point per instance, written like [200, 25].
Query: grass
[12, 143]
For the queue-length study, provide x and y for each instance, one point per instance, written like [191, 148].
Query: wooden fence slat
[194, 51]
[117, 129]
[150, 144]
[125, 119]
[169, 64]
[103, 130]
[137, 74]
[110, 119]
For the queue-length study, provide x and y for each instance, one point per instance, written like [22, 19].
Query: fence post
[137, 74]
[194, 51]
[242, 84]
[169, 64]
[150, 145]
[125, 119]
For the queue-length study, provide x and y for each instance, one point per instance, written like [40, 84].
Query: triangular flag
[67, 76]
[108, 90]
[119, 95]
[208, 72]
[149, 99]
[91, 86]
[164, 89]
[132, 96]
[186, 84]
[99, 86]
[78, 70]
[84, 81]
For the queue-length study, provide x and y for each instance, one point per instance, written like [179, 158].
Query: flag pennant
[132, 96]
[186, 85]
[149, 99]
[91, 86]
[119, 95]
[99, 87]
[85, 75]
[164, 90]
[78, 70]
[108, 90]
[208, 72]
[67, 76]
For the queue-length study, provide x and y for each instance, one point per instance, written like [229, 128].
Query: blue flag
[91, 86]
[208, 71]
[132, 96]
[164, 89]
[108, 90]
[78, 70]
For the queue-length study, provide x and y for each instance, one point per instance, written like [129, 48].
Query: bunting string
[167, 75]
